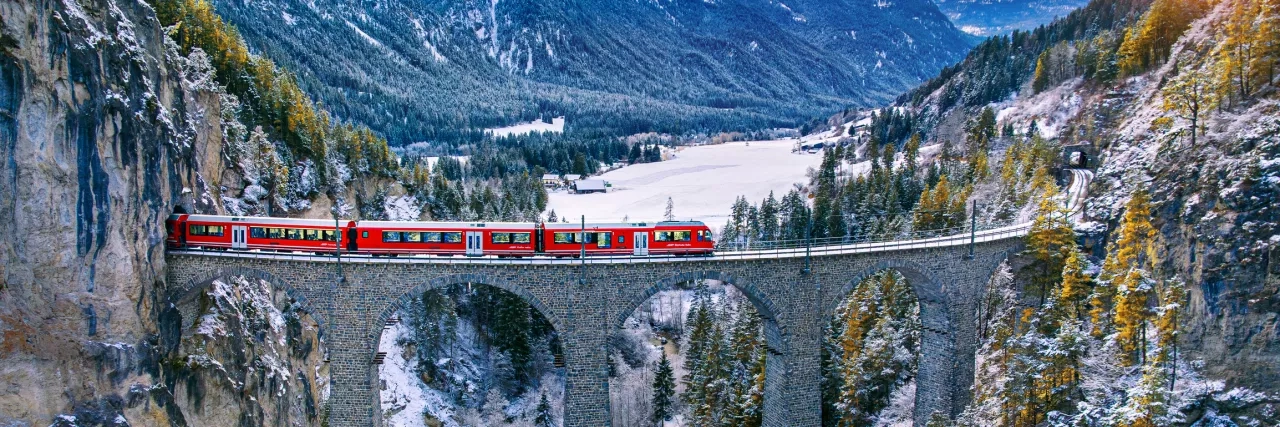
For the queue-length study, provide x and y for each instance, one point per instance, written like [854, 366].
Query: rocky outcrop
[100, 137]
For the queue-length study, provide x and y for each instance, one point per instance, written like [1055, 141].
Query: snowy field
[556, 125]
[701, 181]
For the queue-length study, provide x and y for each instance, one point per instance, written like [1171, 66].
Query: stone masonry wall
[587, 303]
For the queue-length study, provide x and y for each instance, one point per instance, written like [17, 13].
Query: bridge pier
[586, 400]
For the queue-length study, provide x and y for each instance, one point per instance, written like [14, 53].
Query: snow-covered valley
[702, 182]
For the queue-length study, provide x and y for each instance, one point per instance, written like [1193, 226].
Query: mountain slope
[418, 71]
[1213, 182]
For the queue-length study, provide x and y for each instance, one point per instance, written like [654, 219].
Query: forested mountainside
[441, 70]
[1160, 306]
[987, 18]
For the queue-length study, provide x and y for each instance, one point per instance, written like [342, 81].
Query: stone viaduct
[586, 301]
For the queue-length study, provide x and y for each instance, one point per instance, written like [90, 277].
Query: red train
[505, 239]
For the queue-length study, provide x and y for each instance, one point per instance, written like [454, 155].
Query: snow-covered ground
[556, 125]
[702, 182]
[404, 398]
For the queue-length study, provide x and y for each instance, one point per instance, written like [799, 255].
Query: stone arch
[921, 283]
[936, 363]
[778, 363]
[406, 298]
[200, 282]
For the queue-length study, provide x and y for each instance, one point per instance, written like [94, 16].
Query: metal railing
[861, 246]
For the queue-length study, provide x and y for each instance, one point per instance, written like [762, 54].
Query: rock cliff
[101, 135]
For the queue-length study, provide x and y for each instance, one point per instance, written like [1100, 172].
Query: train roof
[441, 224]
[594, 225]
[265, 220]
[681, 223]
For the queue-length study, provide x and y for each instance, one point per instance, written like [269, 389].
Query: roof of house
[589, 184]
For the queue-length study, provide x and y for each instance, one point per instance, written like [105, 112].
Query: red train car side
[438, 238]
[282, 234]
[445, 238]
[682, 237]
[601, 239]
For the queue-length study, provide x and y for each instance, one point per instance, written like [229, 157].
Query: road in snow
[701, 181]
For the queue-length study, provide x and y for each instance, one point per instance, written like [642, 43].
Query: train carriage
[682, 238]
[247, 233]
[562, 239]
[438, 238]
[445, 238]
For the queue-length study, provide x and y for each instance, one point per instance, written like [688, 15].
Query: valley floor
[701, 181]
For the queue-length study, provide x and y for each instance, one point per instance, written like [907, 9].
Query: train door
[475, 243]
[642, 243]
[239, 236]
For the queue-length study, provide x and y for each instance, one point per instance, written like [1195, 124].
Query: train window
[452, 237]
[390, 236]
[364, 234]
[681, 236]
[500, 237]
[327, 235]
[431, 237]
[565, 238]
[519, 237]
[605, 239]
[293, 234]
[413, 237]
[311, 234]
[214, 230]
[258, 232]
[622, 239]
[662, 236]
[197, 230]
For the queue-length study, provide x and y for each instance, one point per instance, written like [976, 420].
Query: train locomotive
[394, 238]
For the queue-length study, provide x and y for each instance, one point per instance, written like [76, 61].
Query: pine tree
[664, 389]
[769, 218]
[1049, 241]
[1189, 95]
[669, 214]
[1040, 80]
[543, 419]
[1075, 283]
[978, 140]
[699, 325]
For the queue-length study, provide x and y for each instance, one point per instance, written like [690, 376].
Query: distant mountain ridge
[992, 17]
[423, 70]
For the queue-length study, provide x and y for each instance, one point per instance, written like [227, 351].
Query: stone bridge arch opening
[244, 317]
[661, 320]
[460, 339]
[919, 321]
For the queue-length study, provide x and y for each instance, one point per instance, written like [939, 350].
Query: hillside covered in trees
[1156, 306]
[441, 71]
